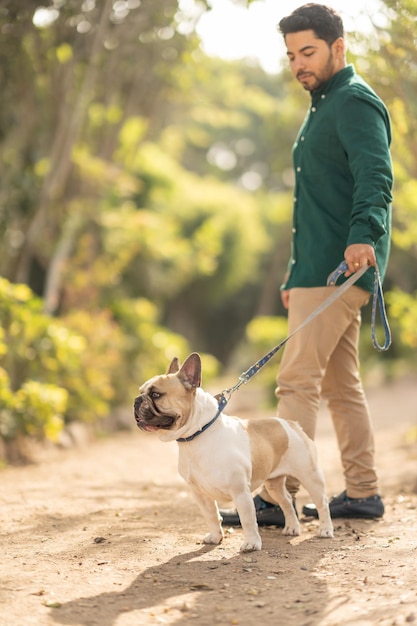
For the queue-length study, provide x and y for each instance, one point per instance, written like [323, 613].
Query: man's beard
[320, 79]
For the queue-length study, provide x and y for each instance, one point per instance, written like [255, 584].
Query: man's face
[312, 61]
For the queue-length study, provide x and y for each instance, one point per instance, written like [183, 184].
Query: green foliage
[28, 406]
[40, 409]
[34, 353]
[54, 372]
[405, 224]
[191, 244]
[48, 372]
[239, 128]
[263, 333]
[148, 348]
[8, 413]
[403, 312]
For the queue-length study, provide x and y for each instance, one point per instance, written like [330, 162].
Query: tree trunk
[68, 131]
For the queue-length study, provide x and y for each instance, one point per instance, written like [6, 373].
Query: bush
[36, 409]
[55, 371]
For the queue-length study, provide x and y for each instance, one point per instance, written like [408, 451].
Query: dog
[225, 458]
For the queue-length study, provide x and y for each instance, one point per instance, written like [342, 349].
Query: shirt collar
[340, 78]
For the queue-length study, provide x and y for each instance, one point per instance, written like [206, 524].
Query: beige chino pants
[321, 361]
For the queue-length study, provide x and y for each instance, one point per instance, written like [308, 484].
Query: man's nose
[298, 64]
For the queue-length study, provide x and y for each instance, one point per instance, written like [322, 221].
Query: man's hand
[285, 293]
[357, 255]
[285, 297]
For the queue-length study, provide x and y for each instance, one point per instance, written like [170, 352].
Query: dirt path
[109, 535]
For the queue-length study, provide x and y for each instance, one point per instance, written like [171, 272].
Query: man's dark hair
[324, 21]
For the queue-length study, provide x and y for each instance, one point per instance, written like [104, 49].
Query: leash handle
[341, 269]
[377, 303]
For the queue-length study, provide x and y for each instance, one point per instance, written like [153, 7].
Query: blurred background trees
[146, 199]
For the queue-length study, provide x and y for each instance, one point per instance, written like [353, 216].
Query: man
[343, 182]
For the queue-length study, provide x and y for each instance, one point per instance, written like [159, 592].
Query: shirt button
[298, 169]
[295, 198]
[302, 138]
[313, 109]
[292, 261]
[323, 96]
[294, 230]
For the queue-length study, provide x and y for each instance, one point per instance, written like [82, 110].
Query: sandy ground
[108, 534]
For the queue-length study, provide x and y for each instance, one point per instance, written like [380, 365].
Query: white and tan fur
[233, 457]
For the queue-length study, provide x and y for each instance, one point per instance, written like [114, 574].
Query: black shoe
[267, 514]
[343, 506]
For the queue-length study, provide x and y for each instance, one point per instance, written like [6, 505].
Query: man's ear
[339, 48]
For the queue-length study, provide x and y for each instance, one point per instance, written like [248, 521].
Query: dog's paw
[293, 531]
[250, 546]
[213, 538]
[325, 533]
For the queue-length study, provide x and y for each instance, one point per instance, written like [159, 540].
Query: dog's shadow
[156, 584]
[186, 583]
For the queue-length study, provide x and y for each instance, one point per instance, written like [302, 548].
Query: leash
[377, 303]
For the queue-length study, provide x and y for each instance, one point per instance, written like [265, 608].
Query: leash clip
[227, 393]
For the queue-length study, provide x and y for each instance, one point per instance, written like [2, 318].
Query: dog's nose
[137, 403]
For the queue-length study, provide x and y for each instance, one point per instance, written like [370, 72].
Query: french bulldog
[225, 458]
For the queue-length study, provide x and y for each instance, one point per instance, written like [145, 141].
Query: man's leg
[305, 360]
[307, 354]
[342, 388]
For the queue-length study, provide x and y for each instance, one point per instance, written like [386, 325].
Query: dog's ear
[190, 372]
[174, 366]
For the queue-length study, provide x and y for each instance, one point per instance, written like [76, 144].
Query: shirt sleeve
[365, 134]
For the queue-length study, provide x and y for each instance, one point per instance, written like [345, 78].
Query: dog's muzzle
[148, 417]
[136, 406]
[140, 419]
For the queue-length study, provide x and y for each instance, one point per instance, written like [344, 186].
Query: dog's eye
[155, 395]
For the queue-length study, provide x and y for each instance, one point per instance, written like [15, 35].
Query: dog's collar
[222, 404]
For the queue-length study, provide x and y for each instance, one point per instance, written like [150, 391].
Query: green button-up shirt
[343, 180]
